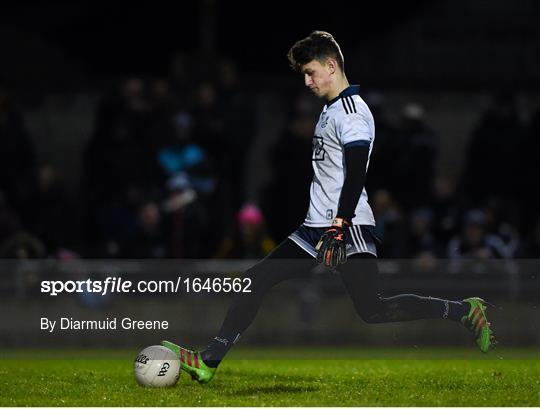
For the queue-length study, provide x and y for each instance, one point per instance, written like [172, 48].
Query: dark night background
[170, 133]
[102, 104]
[115, 38]
[91, 41]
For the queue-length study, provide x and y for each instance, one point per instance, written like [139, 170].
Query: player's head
[319, 58]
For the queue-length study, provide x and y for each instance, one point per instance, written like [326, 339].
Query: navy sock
[219, 346]
[452, 310]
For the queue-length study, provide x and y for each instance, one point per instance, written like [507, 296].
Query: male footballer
[339, 224]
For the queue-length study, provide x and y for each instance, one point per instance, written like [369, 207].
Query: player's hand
[331, 248]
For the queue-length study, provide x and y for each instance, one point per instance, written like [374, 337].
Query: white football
[157, 366]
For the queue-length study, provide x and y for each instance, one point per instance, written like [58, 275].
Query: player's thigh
[287, 261]
[360, 276]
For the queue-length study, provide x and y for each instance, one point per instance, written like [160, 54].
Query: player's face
[317, 77]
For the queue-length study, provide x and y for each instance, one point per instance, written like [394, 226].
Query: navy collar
[350, 90]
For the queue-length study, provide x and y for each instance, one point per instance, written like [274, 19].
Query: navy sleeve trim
[362, 143]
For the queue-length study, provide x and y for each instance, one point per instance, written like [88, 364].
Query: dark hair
[319, 45]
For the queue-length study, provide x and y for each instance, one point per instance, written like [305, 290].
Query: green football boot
[476, 321]
[192, 363]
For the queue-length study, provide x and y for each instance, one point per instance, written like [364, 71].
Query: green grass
[271, 377]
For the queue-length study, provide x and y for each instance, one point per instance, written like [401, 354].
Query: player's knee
[258, 280]
[372, 319]
[368, 312]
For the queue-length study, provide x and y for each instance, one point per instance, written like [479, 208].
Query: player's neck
[340, 85]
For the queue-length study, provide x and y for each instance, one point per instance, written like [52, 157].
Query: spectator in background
[446, 208]
[163, 108]
[249, 238]
[421, 241]
[192, 192]
[386, 149]
[475, 242]
[389, 227]
[122, 131]
[150, 239]
[78, 272]
[292, 173]
[492, 162]
[117, 223]
[209, 123]
[52, 216]
[415, 166]
[118, 159]
[25, 276]
[238, 110]
[22, 246]
[209, 133]
[187, 231]
[499, 221]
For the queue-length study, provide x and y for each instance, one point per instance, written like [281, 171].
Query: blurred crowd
[490, 212]
[164, 176]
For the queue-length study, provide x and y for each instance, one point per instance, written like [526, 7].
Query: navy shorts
[359, 239]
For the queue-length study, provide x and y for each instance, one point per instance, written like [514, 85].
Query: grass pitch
[272, 377]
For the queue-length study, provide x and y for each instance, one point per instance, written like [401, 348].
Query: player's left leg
[287, 261]
[360, 277]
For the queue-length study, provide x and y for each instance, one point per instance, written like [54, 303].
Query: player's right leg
[286, 261]
[360, 277]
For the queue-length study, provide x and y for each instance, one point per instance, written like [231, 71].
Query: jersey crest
[318, 148]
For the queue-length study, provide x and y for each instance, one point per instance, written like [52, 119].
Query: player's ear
[331, 65]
